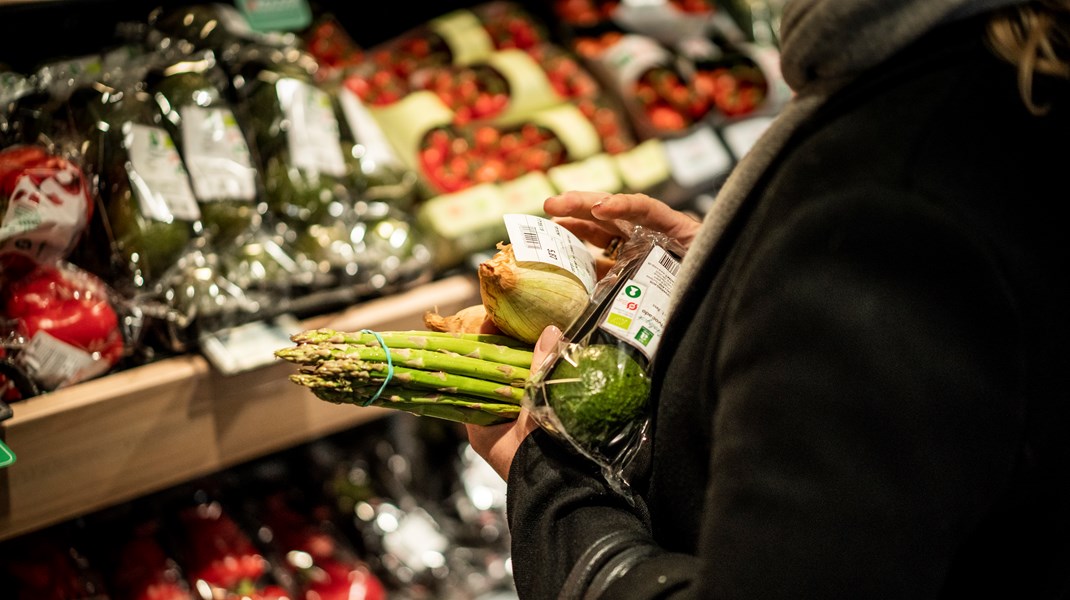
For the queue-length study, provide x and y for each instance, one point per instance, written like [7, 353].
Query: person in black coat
[863, 389]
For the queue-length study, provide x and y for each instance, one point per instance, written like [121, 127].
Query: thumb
[545, 346]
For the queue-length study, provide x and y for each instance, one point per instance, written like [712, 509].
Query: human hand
[598, 218]
[497, 444]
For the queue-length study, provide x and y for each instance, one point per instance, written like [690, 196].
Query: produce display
[201, 175]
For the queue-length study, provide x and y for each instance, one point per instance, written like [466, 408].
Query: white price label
[217, 155]
[741, 136]
[248, 346]
[158, 175]
[313, 135]
[697, 157]
[535, 239]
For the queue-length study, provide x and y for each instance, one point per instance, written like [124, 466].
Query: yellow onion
[523, 298]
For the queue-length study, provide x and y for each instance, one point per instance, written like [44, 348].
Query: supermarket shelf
[115, 438]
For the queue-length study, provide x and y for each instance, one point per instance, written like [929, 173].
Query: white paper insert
[535, 239]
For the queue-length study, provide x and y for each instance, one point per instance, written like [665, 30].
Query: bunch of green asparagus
[463, 377]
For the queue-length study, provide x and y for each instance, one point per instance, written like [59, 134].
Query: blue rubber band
[389, 367]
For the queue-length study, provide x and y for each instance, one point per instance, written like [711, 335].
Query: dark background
[35, 31]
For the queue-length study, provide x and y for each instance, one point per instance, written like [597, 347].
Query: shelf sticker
[527, 193]
[644, 166]
[742, 135]
[697, 157]
[7, 457]
[595, 174]
[459, 214]
[249, 346]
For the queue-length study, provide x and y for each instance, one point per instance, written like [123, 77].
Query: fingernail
[548, 339]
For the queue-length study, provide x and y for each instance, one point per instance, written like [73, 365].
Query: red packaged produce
[146, 572]
[221, 561]
[67, 321]
[45, 206]
[322, 562]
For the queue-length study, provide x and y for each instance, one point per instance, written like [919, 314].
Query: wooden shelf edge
[112, 439]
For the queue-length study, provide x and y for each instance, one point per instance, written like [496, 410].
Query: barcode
[531, 237]
[671, 264]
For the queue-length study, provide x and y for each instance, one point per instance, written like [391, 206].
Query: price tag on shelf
[595, 174]
[697, 157]
[742, 135]
[644, 166]
[526, 193]
[249, 346]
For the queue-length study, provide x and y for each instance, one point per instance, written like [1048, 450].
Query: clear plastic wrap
[61, 325]
[592, 391]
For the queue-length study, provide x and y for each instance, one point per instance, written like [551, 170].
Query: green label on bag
[276, 15]
[7, 457]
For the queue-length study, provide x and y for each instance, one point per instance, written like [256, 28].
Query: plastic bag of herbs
[147, 237]
[592, 391]
[191, 91]
[310, 187]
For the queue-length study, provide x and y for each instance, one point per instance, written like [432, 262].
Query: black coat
[865, 393]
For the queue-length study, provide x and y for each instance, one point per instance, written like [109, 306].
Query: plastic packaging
[592, 391]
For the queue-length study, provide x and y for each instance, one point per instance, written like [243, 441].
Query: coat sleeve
[868, 414]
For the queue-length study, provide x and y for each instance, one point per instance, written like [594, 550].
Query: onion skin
[472, 319]
[522, 299]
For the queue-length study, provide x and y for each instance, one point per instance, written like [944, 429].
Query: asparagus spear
[349, 371]
[312, 354]
[454, 408]
[492, 348]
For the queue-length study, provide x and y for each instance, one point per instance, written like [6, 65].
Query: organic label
[313, 135]
[697, 157]
[643, 166]
[217, 155]
[641, 308]
[595, 174]
[462, 31]
[158, 176]
[535, 239]
[530, 89]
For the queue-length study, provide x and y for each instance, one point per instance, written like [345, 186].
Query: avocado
[596, 392]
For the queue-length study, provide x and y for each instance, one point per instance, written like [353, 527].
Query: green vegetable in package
[214, 148]
[150, 212]
[598, 391]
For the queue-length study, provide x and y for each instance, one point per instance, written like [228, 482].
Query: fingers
[611, 214]
[589, 231]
